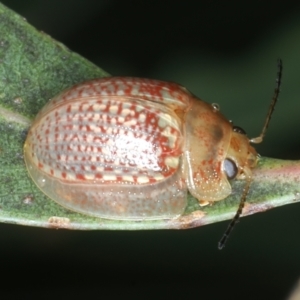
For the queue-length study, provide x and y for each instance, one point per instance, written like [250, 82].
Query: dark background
[224, 52]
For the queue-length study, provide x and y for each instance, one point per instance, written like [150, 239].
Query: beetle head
[241, 157]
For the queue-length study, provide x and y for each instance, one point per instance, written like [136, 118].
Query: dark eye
[239, 130]
[230, 168]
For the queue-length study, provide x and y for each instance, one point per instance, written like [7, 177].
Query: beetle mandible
[131, 149]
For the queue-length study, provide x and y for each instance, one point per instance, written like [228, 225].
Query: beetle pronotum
[130, 149]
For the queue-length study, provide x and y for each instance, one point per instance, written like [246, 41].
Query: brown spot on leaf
[28, 199]
[187, 221]
[59, 222]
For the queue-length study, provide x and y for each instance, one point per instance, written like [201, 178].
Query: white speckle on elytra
[75, 128]
[90, 115]
[82, 148]
[74, 107]
[125, 111]
[71, 177]
[95, 128]
[109, 142]
[108, 130]
[171, 137]
[109, 177]
[121, 119]
[128, 178]
[104, 118]
[142, 179]
[142, 118]
[95, 150]
[85, 106]
[126, 105]
[98, 107]
[122, 161]
[139, 108]
[172, 162]
[113, 109]
[93, 158]
[131, 122]
[120, 92]
[164, 120]
[165, 94]
[88, 149]
[110, 87]
[63, 157]
[100, 169]
[116, 161]
[115, 130]
[121, 87]
[89, 138]
[89, 176]
[158, 151]
[159, 177]
[106, 151]
[135, 90]
[130, 134]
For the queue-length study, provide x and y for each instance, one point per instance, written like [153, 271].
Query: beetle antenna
[260, 138]
[235, 219]
[256, 140]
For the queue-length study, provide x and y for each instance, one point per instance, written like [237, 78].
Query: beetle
[131, 149]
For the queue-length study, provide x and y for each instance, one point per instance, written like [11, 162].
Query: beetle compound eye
[239, 130]
[230, 168]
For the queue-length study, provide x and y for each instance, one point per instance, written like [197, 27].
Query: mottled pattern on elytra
[171, 94]
[112, 148]
[107, 140]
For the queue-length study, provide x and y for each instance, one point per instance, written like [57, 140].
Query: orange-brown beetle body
[131, 148]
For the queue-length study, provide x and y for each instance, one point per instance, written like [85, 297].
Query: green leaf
[33, 69]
